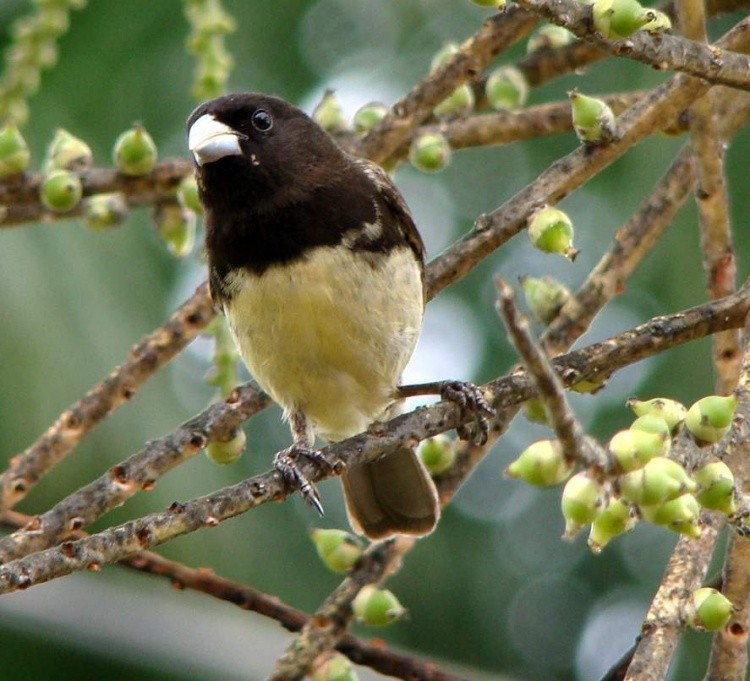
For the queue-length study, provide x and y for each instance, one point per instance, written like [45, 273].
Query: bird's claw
[285, 462]
[470, 399]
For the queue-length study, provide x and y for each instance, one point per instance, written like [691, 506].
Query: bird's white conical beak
[210, 140]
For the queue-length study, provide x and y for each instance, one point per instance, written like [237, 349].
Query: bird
[318, 267]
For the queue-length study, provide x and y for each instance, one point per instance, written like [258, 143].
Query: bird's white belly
[329, 339]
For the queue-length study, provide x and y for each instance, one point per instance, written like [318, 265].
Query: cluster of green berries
[645, 483]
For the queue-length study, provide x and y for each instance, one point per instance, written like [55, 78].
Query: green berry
[187, 194]
[104, 211]
[506, 88]
[134, 152]
[437, 454]
[615, 519]
[659, 22]
[333, 667]
[14, 152]
[616, 19]
[368, 116]
[548, 37]
[338, 549]
[228, 451]
[670, 410]
[632, 449]
[679, 515]
[377, 607]
[430, 152]
[709, 610]
[551, 231]
[544, 297]
[710, 418]
[490, 3]
[459, 103]
[61, 191]
[593, 119]
[716, 482]
[329, 114]
[535, 411]
[660, 480]
[176, 225]
[582, 499]
[68, 152]
[542, 464]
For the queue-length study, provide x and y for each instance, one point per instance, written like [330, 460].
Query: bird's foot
[286, 462]
[470, 399]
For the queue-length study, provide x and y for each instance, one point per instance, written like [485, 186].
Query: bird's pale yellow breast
[330, 333]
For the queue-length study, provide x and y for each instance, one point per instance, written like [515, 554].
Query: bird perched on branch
[317, 264]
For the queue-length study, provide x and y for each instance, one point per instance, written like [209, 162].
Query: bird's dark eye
[262, 120]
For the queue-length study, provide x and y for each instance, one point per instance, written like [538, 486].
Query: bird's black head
[263, 149]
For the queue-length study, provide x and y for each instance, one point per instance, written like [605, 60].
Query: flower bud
[551, 231]
[581, 500]
[506, 88]
[659, 22]
[227, 451]
[615, 519]
[548, 37]
[535, 411]
[430, 152]
[61, 191]
[616, 19]
[632, 449]
[377, 607]
[708, 610]
[670, 410]
[541, 463]
[329, 114]
[544, 297]
[716, 482]
[333, 667]
[187, 194]
[593, 119]
[176, 225]
[338, 549]
[14, 152]
[459, 103]
[661, 479]
[437, 454]
[679, 515]
[710, 418]
[68, 152]
[134, 152]
[368, 116]
[102, 211]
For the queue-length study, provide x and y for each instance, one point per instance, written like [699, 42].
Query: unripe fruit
[708, 610]
[490, 3]
[542, 464]
[710, 418]
[551, 231]
[437, 454]
[615, 519]
[377, 607]
[176, 225]
[632, 449]
[430, 152]
[68, 152]
[679, 515]
[670, 410]
[368, 116]
[338, 549]
[228, 451]
[61, 191]
[14, 152]
[616, 19]
[334, 667]
[187, 194]
[660, 21]
[651, 423]
[329, 114]
[588, 386]
[459, 103]
[593, 119]
[134, 152]
[716, 483]
[103, 211]
[443, 55]
[506, 88]
[544, 297]
[535, 411]
[548, 37]
[581, 500]
[661, 479]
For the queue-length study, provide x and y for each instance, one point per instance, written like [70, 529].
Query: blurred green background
[494, 592]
